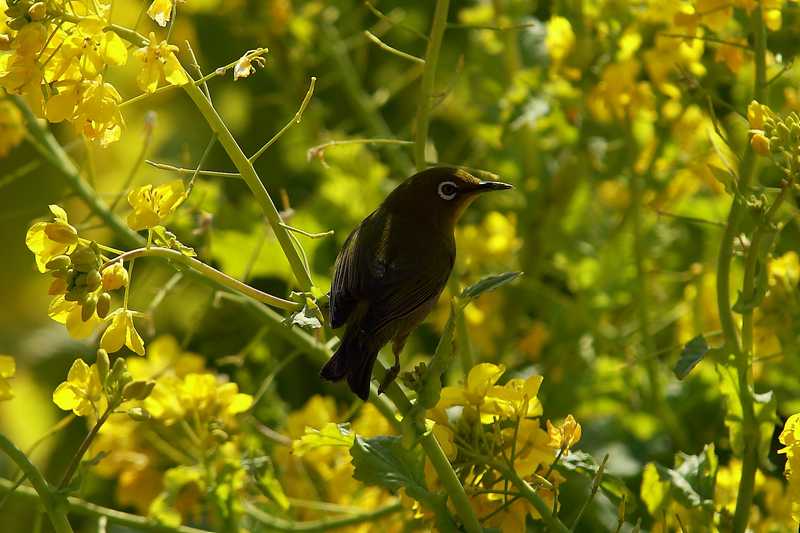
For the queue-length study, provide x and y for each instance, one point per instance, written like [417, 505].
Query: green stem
[220, 278]
[278, 524]
[245, 168]
[41, 489]
[50, 149]
[84, 447]
[744, 497]
[84, 508]
[428, 79]
[552, 521]
[295, 120]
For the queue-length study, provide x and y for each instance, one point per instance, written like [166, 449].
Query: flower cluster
[790, 438]
[81, 286]
[481, 421]
[775, 136]
[180, 447]
[55, 56]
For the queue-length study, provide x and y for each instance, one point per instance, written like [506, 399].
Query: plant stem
[529, 494]
[278, 524]
[87, 441]
[84, 508]
[220, 278]
[51, 150]
[41, 489]
[295, 120]
[744, 497]
[428, 79]
[250, 177]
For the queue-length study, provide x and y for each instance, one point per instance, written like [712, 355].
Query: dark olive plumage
[392, 268]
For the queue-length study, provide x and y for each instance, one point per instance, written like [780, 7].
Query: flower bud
[93, 279]
[219, 435]
[61, 232]
[138, 390]
[103, 304]
[85, 259]
[75, 294]
[59, 262]
[139, 414]
[88, 307]
[755, 115]
[58, 286]
[37, 11]
[760, 144]
[115, 277]
[103, 364]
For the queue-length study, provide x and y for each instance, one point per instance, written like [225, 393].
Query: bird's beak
[493, 186]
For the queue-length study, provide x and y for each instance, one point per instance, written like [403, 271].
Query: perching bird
[392, 268]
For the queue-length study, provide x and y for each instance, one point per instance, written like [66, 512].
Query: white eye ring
[444, 195]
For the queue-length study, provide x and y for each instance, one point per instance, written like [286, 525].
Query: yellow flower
[121, 332]
[49, 239]
[532, 447]
[560, 38]
[479, 380]
[159, 64]
[97, 115]
[8, 368]
[165, 357]
[161, 11]
[86, 51]
[69, 314]
[12, 127]
[565, 436]
[82, 393]
[151, 205]
[115, 277]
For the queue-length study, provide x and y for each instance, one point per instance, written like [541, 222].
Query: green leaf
[692, 353]
[385, 462]
[690, 483]
[330, 435]
[167, 239]
[489, 283]
[725, 177]
[583, 463]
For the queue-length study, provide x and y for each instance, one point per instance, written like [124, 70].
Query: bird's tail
[353, 360]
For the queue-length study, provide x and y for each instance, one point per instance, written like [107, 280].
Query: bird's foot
[390, 376]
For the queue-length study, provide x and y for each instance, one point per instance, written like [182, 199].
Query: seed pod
[59, 262]
[140, 414]
[783, 131]
[58, 286]
[81, 280]
[103, 364]
[37, 11]
[103, 304]
[93, 279]
[61, 232]
[88, 307]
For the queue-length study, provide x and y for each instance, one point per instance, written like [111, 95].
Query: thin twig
[295, 120]
[192, 171]
[392, 50]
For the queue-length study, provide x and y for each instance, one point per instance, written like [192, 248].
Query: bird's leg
[391, 374]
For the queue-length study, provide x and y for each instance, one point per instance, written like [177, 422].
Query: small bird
[392, 268]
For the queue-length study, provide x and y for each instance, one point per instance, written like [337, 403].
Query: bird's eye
[447, 190]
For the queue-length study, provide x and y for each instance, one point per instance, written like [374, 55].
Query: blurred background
[604, 125]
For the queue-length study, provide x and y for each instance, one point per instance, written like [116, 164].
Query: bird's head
[442, 191]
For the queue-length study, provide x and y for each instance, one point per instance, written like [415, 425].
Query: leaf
[725, 177]
[489, 283]
[167, 239]
[583, 463]
[691, 355]
[330, 435]
[385, 462]
[690, 484]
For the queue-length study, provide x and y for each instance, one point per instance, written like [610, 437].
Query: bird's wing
[404, 289]
[345, 287]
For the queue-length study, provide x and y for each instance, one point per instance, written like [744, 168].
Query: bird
[392, 268]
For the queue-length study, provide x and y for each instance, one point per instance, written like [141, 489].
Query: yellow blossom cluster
[55, 56]
[480, 421]
[790, 438]
[83, 279]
